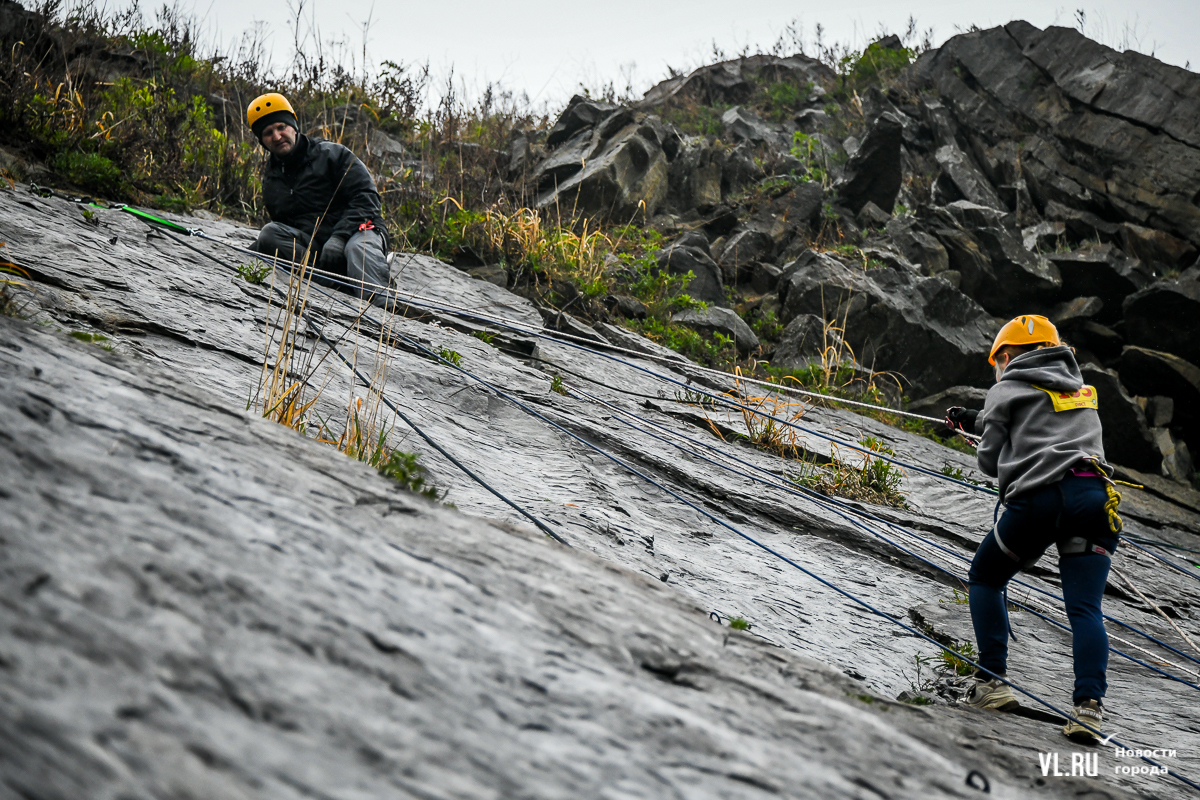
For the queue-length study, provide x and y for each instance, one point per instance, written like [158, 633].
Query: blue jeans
[1029, 525]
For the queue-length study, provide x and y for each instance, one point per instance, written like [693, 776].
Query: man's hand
[333, 255]
[961, 419]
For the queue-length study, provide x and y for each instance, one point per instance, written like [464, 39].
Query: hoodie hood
[1049, 368]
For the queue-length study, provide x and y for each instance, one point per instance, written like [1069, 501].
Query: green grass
[739, 624]
[952, 663]
[405, 470]
[450, 356]
[254, 272]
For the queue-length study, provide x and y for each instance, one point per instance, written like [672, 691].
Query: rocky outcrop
[198, 602]
[922, 327]
[1164, 316]
[612, 166]
[691, 254]
[874, 172]
[724, 321]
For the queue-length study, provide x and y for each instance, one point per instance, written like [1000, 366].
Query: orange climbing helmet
[268, 109]
[1025, 329]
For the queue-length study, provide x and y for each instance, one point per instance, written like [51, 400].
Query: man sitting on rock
[320, 197]
[1041, 438]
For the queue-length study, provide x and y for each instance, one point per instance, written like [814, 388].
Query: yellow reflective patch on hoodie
[1069, 401]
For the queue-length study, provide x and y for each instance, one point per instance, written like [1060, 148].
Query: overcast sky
[547, 48]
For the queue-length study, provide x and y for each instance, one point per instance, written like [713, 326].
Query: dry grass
[281, 396]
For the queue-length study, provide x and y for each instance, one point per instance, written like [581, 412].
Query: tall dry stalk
[281, 396]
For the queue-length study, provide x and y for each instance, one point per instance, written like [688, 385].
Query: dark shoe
[990, 693]
[1091, 712]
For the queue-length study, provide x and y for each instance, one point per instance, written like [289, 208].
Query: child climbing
[1041, 439]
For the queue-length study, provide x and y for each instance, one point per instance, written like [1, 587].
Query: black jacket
[321, 181]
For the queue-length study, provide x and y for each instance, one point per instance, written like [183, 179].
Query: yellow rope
[1110, 507]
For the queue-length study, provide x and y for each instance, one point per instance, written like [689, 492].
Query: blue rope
[395, 410]
[833, 505]
[437, 357]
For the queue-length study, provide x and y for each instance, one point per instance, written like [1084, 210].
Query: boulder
[918, 246]
[1127, 440]
[813, 120]
[995, 268]
[968, 179]
[1098, 339]
[872, 216]
[1159, 411]
[1043, 236]
[720, 320]
[920, 328]
[743, 249]
[622, 174]
[686, 255]
[740, 169]
[742, 125]
[764, 277]
[807, 340]
[1151, 372]
[731, 82]
[1082, 225]
[694, 177]
[874, 173]
[626, 306]
[580, 113]
[1164, 316]
[1177, 459]
[1076, 311]
[1102, 271]
[1158, 249]
[800, 205]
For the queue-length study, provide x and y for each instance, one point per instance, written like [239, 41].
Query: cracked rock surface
[197, 602]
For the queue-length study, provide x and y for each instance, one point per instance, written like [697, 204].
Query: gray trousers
[366, 260]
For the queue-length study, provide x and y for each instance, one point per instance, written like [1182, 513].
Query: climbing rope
[518, 327]
[750, 539]
[633, 470]
[396, 410]
[834, 506]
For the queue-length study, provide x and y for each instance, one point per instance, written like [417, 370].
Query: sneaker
[990, 693]
[1091, 712]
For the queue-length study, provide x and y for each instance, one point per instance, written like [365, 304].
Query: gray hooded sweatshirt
[1026, 443]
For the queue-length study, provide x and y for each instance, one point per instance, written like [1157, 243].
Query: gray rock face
[1000, 81]
[1151, 372]
[1102, 271]
[683, 257]
[198, 603]
[618, 168]
[580, 113]
[874, 172]
[805, 341]
[742, 125]
[918, 246]
[743, 249]
[735, 81]
[1127, 439]
[1164, 316]
[968, 179]
[921, 328]
[724, 321]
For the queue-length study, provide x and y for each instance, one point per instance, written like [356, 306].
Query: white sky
[548, 47]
